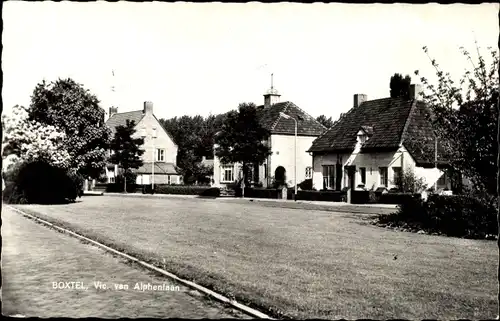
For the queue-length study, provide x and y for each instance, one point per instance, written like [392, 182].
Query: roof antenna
[272, 82]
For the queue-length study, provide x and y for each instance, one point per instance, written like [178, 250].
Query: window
[328, 176]
[309, 172]
[227, 174]
[112, 179]
[397, 175]
[362, 173]
[362, 138]
[160, 155]
[168, 180]
[383, 176]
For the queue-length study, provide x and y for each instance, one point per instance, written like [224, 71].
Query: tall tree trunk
[125, 183]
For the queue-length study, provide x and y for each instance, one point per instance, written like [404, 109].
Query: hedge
[397, 198]
[327, 196]
[41, 183]
[452, 215]
[183, 190]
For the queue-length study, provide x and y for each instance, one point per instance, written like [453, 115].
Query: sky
[191, 59]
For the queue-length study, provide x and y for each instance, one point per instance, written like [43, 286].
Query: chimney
[112, 111]
[416, 92]
[148, 107]
[359, 99]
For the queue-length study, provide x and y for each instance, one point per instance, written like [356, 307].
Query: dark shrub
[211, 192]
[185, 190]
[397, 198]
[306, 185]
[462, 215]
[327, 196]
[456, 215]
[41, 183]
[360, 197]
[12, 195]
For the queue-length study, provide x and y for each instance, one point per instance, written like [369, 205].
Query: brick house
[159, 146]
[374, 141]
[280, 164]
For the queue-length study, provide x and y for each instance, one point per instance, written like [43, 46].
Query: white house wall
[372, 162]
[162, 140]
[282, 147]
[283, 155]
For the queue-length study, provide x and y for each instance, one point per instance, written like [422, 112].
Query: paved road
[34, 257]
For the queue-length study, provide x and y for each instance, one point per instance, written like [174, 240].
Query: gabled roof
[393, 121]
[120, 119]
[306, 124]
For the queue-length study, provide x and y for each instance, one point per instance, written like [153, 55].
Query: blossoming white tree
[30, 141]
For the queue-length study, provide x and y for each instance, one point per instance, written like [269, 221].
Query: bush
[12, 195]
[452, 215]
[360, 197]
[397, 198]
[41, 183]
[462, 216]
[327, 196]
[184, 190]
[306, 185]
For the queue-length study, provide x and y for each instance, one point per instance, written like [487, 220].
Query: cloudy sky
[207, 58]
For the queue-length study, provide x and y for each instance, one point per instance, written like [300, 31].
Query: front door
[351, 176]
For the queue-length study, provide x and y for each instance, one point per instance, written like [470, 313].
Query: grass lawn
[296, 263]
[34, 256]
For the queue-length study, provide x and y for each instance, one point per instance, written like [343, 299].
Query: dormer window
[364, 134]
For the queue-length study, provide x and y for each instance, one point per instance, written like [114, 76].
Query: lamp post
[153, 136]
[294, 151]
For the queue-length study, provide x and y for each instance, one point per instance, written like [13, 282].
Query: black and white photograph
[250, 160]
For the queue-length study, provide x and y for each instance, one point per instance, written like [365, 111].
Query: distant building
[159, 146]
[373, 142]
[280, 165]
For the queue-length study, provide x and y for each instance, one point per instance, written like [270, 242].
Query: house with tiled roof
[375, 141]
[280, 164]
[160, 156]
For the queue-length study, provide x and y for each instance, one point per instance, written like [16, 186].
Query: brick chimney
[148, 107]
[416, 92]
[359, 99]
[112, 111]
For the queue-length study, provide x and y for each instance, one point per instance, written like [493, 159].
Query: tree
[66, 105]
[126, 151]
[243, 139]
[327, 122]
[408, 182]
[465, 119]
[195, 138]
[30, 141]
[400, 87]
